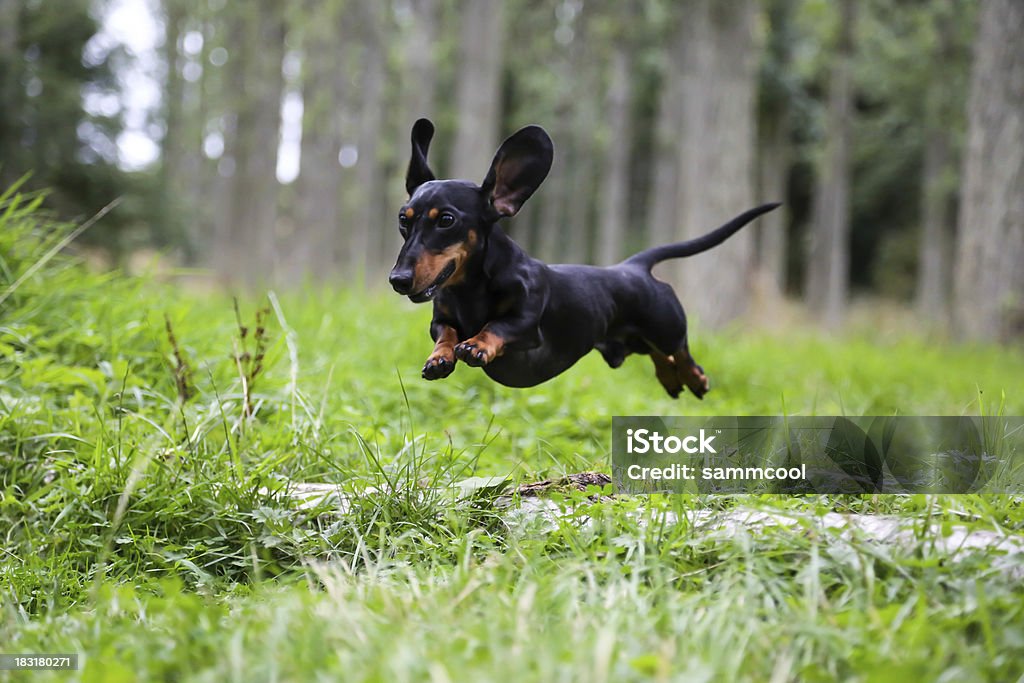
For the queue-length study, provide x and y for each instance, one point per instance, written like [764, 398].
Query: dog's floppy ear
[419, 172]
[518, 169]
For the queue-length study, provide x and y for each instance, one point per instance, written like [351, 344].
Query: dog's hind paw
[697, 381]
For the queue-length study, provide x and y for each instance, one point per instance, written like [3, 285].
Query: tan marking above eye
[433, 213]
[409, 213]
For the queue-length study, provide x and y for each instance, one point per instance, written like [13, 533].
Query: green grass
[154, 536]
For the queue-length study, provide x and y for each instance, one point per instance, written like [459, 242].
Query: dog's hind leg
[665, 371]
[678, 370]
[673, 364]
[689, 373]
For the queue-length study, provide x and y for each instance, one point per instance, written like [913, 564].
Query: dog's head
[444, 221]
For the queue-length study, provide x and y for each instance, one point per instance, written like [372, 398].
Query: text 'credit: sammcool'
[818, 454]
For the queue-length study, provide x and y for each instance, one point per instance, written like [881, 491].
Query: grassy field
[153, 535]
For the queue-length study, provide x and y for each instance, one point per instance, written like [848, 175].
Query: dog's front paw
[439, 366]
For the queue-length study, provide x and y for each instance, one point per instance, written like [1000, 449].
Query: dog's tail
[649, 257]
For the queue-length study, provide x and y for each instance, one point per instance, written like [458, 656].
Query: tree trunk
[200, 171]
[577, 230]
[11, 89]
[614, 205]
[773, 181]
[829, 260]
[478, 88]
[317, 188]
[420, 61]
[933, 248]
[10, 21]
[250, 236]
[577, 226]
[370, 205]
[173, 146]
[775, 150]
[208, 185]
[555, 197]
[551, 217]
[937, 220]
[415, 86]
[716, 166]
[662, 207]
[989, 294]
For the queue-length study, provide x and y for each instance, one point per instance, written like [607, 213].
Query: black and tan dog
[520, 319]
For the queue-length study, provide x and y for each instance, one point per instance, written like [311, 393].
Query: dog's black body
[522, 320]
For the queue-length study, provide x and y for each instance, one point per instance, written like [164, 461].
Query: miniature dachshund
[521, 320]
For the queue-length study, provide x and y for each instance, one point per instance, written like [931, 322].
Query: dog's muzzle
[429, 293]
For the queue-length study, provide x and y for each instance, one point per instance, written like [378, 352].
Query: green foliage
[54, 64]
[151, 531]
[909, 81]
[555, 71]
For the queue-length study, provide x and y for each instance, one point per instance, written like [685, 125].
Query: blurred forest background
[267, 141]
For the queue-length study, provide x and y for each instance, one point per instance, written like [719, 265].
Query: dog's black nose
[401, 280]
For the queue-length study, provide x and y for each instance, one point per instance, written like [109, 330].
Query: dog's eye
[403, 224]
[446, 220]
